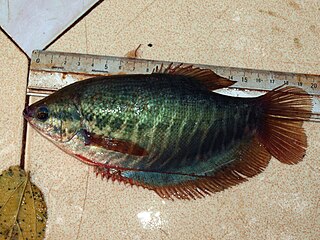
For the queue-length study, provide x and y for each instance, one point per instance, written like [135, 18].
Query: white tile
[33, 24]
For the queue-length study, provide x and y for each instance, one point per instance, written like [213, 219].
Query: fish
[169, 132]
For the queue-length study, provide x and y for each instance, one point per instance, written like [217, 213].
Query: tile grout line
[84, 203]
[13, 41]
[74, 23]
[25, 123]
[27, 98]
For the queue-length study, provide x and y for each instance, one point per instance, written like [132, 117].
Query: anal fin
[250, 159]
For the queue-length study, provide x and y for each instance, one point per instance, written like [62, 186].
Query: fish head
[55, 117]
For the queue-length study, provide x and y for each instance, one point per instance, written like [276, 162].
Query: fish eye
[42, 113]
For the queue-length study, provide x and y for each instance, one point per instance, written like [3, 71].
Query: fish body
[168, 131]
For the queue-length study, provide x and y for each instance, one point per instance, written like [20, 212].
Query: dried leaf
[23, 211]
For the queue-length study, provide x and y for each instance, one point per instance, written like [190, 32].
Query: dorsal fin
[206, 76]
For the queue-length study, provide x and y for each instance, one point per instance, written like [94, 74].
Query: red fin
[250, 160]
[111, 173]
[281, 132]
[211, 80]
[116, 145]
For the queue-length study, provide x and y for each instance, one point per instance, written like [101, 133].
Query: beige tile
[13, 80]
[281, 203]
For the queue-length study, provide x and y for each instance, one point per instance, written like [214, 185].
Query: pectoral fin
[114, 144]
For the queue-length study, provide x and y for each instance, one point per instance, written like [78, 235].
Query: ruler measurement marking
[74, 67]
[49, 73]
[106, 65]
[97, 71]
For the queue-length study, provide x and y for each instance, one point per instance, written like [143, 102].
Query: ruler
[50, 71]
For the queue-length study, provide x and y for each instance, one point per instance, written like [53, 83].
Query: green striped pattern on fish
[169, 132]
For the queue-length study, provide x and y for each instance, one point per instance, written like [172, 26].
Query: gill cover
[70, 124]
[56, 120]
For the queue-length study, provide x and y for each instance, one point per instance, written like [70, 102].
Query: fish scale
[175, 136]
[169, 101]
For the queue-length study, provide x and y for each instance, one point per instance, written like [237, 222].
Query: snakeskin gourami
[168, 132]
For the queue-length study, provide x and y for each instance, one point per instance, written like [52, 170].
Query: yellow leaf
[23, 211]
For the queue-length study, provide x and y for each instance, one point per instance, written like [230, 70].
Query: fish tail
[281, 131]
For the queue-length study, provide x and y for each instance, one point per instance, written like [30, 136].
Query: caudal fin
[281, 131]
